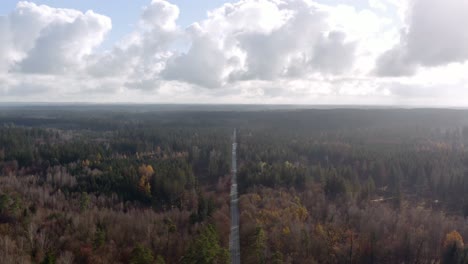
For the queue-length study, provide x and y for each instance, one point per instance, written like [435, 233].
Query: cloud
[218, 52]
[434, 36]
[202, 65]
[378, 4]
[262, 40]
[27, 88]
[142, 54]
[5, 44]
[144, 85]
[269, 55]
[333, 54]
[45, 40]
[276, 51]
[160, 14]
[395, 62]
[64, 43]
[303, 44]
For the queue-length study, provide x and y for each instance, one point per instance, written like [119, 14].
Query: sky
[361, 52]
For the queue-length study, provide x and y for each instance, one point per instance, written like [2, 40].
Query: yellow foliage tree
[144, 184]
[453, 246]
[149, 169]
[146, 171]
[453, 238]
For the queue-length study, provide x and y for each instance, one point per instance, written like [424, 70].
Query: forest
[151, 184]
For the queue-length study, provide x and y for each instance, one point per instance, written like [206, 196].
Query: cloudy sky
[376, 52]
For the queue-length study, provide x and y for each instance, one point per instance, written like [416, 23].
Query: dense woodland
[150, 184]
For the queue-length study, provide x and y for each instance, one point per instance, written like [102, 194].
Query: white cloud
[378, 4]
[333, 54]
[395, 62]
[41, 39]
[160, 14]
[250, 51]
[5, 44]
[434, 36]
[202, 65]
[270, 40]
[138, 59]
[63, 44]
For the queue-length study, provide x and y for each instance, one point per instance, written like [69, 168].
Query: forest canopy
[150, 184]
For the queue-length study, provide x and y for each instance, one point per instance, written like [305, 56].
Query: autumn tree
[452, 248]
[145, 171]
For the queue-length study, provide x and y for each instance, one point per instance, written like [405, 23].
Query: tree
[205, 249]
[277, 257]
[49, 259]
[141, 255]
[145, 174]
[4, 203]
[160, 260]
[99, 237]
[144, 185]
[453, 247]
[2, 154]
[453, 238]
[260, 245]
[335, 186]
[171, 228]
[204, 209]
[84, 201]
